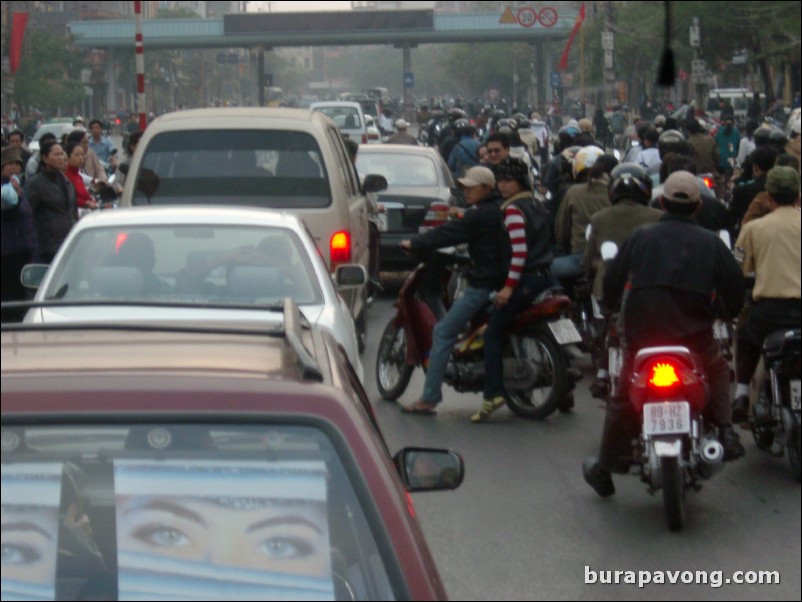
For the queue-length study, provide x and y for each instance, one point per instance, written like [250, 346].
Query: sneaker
[600, 387]
[740, 409]
[731, 443]
[600, 480]
[488, 407]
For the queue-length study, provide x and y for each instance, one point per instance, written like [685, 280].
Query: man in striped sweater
[527, 223]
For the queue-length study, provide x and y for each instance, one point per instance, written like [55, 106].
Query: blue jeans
[445, 335]
[567, 267]
[528, 288]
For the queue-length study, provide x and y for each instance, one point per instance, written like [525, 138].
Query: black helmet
[630, 181]
[511, 168]
[506, 126]
[455, 114]
[463, 127]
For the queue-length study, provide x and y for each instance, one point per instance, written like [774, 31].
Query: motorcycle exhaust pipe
[712, 458]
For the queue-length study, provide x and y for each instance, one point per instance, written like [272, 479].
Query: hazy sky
[289, 6]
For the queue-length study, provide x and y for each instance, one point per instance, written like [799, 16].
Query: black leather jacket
[482, 227]
[55, 212]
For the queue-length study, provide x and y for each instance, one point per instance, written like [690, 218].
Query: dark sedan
[416, 177]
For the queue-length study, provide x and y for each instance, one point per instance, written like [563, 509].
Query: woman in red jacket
[75, 161]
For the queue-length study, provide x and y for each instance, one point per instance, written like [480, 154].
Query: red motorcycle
[535, 367]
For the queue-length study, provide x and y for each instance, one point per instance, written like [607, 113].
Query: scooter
[776, 414]
[535, 368]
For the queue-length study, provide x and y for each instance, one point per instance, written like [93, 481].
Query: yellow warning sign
[508, 17]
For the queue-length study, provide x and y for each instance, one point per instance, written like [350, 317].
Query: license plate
[382, 222]
[565, 332]
[667, 418]
[796, 391]
[616, 359]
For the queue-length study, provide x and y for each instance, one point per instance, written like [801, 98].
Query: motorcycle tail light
[668, 379]
[340, 248]
[709, 182]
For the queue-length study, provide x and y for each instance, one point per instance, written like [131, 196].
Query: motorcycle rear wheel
[795, 451]
[673, 493]
[551, 387]
[392, 371]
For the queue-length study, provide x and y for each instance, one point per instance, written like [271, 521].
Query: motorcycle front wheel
[544, 356]
[673, 493]
[392, 371]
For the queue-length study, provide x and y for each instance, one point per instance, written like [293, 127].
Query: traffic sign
[409, 79]
[608, 59]
[696, 39]
[527, 16]
[548, 17]
[608, 40]
[555, 80]
[508, 18]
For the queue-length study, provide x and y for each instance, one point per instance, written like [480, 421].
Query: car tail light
[668, 378]
[373, 136]
[121, 238]
[340, 247]
[435, 216]
[364, 138]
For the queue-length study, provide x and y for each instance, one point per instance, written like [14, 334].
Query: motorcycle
[669, 391]
[776, 414]
[536, 373]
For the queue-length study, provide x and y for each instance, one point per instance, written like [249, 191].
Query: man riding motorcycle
[769, 248]
[674, 271]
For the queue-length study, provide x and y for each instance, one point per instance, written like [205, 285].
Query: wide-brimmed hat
[10, 154]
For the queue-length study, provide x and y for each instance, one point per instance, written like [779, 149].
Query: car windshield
[202, 511]
[399, 169]
[343, 117]
[262, 168]
[187, 263]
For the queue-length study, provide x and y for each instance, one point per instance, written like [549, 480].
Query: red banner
[18, 25]
[580, 18]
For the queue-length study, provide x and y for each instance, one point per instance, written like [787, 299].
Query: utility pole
[698, 69]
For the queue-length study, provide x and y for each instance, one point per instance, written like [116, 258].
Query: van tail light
[364, 138]
[340, 248]
[435, 216]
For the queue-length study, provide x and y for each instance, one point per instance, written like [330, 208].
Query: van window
[261, 168]
[343, 117]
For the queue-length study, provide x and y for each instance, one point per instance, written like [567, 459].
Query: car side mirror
[424, 469]
[374, 183]
[33, 274]
[350, 276]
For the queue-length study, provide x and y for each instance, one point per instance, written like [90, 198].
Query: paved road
[524, 525]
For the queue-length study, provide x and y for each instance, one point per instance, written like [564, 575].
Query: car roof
[190, 214]
[336, 103]
[238, 117]
[404, 149]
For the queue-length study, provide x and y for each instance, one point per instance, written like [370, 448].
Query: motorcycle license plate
[667, 418]
[382, 222]
[565, 332]
[796, 392]
[616, 359]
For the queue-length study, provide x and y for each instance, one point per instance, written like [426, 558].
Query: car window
[398, 169]
[226, 264]
[234, 512]
[343, 117]
[263, 168]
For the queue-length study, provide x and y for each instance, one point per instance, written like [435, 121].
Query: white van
[739, 98]
[289, 159]
[348, 116]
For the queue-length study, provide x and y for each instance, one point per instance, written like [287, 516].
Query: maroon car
[162, 462]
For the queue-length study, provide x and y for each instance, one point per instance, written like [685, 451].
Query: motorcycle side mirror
[609, 250]
[724, 235]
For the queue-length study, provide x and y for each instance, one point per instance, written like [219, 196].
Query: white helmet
[585, 158]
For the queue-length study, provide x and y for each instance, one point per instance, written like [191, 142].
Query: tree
[49, 77]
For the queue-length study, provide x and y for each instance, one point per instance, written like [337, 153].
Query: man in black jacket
[675, 270]
[482, 228]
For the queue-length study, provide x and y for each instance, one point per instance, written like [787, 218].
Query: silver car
[221, 264]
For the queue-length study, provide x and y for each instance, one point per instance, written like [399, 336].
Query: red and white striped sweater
[515, 223]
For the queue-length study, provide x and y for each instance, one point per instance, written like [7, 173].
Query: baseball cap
[401, 124]
[476, 176]
[682, 187]
[782, 179]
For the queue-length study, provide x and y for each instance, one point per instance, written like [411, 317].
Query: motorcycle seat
[552, 291]
[781, 341]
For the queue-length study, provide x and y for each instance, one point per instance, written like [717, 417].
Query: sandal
[419, 408]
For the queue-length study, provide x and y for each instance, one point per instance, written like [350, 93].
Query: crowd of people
[45, 191]
[527, 228]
